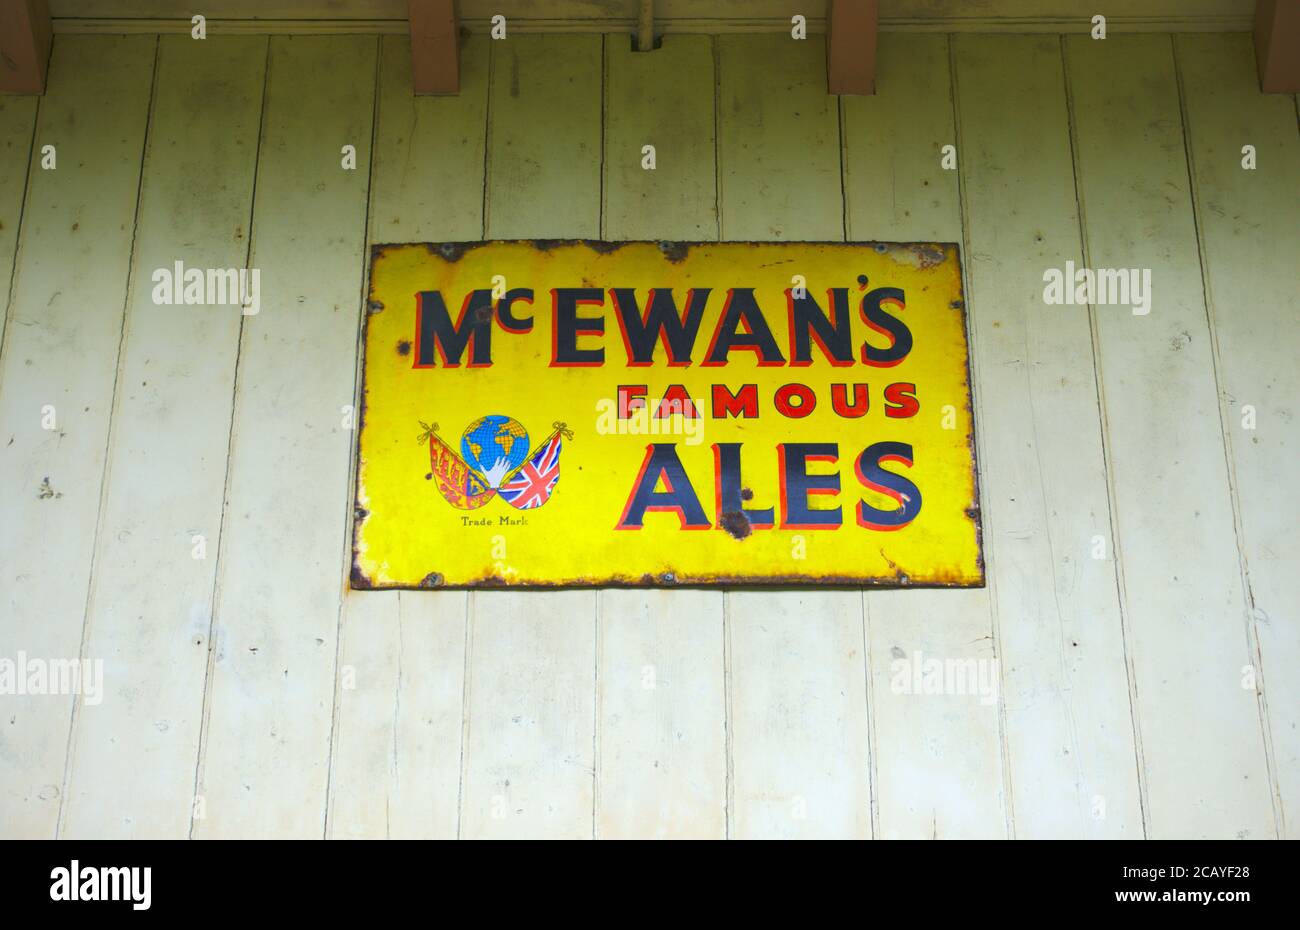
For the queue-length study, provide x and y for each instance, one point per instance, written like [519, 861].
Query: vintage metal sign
[588, 413]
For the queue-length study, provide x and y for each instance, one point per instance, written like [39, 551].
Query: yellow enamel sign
[588, 413]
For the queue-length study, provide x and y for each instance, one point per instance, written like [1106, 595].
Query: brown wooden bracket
[24, 46]
[1277, 45]
[435, 51]
[645, 26]
[851, 27]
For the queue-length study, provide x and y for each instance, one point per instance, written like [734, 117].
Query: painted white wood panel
[936, 758]
[1202, 744]
[1248, 222]
[895, 186]
[60, 351]
[662, 747]
[155, 560]
[778, 141]
[665, 99]
[427, 183]
[530, 716]
[397, 755]
[1070, 763]
[265, 753]
[797, 715]
[17, 131]
[544, 139]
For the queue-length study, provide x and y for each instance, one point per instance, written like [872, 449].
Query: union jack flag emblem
[532, 484]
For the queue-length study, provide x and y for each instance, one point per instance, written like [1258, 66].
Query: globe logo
[494, 446]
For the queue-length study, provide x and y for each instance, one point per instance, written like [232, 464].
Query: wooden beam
[1277, 45]
[851, 27]
[24, 46]
[435, 52]
[645, 27]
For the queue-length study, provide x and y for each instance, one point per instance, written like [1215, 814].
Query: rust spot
[451, 251]
[483, 314]
[899, 574]
[404, 347]
[431, 580]
[545, 245]
[604, 248]
[746, 494]
[375, 306]
[675, 251]
[735, 523]
[358, 579]
[667, 578]
[958, 305]
[929, 255]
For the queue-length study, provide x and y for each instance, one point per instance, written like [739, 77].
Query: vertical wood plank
[895, 188]
[1249, 232]
[778, 141]
[797, 690]
[661, 715]
[151, 598]
[947, 782]
[661, 707]
[271, 685]
[937, 757]
[17, 129]
[798, 715]
[529, 766]
[662, 98]
[397, 754]
[428, 173]
[544, 141]
[1201, 731]
[529, 730]
[73, 258]
[1070, 753]
[397, 757]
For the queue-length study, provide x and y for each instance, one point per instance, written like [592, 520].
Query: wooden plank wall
[1147, 692]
